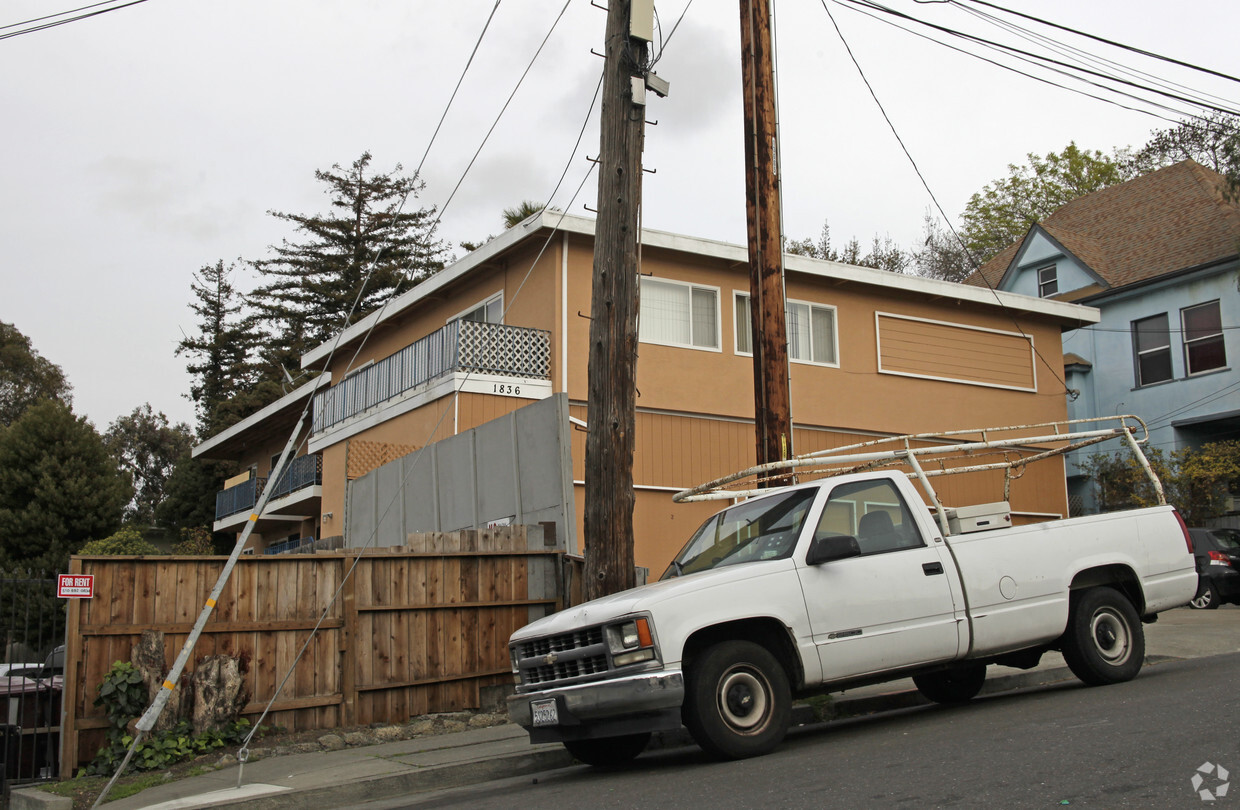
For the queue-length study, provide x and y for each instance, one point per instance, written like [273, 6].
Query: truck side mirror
[832, 548]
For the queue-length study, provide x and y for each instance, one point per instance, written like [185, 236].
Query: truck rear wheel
[1104, 642]
[959, 684]
[737, 700]
[608, 752]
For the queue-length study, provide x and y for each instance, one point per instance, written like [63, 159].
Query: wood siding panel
[413, 632]
[923, 348]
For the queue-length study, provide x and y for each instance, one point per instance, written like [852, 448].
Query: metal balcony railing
[302, 472]
[239, 498]
[468, 346]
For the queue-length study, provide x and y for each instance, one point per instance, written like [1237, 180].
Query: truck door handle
[932, 568]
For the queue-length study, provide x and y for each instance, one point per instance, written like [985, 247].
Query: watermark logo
[1216, 774]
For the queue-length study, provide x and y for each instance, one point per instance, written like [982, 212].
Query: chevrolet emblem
[550, 659]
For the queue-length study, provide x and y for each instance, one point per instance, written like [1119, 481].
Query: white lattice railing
[466, 346]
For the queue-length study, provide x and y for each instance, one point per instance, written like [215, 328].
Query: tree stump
[219, 692]
[148, 658]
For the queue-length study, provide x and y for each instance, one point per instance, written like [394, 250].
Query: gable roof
[1169, 220]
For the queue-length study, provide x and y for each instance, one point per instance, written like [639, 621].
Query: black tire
[608, 752]
[959, 684]
[1206, 598]
[737, 700]
[1104, 642]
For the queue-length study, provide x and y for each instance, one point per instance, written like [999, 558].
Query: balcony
[460, 347]
[295, 485]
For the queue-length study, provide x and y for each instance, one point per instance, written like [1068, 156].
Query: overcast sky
[144, 143]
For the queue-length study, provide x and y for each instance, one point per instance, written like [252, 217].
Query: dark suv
[1218, 567]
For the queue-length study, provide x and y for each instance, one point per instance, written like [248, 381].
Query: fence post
[72, 682]
[348, 643]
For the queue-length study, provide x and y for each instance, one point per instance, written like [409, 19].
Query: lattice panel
[364, 456]
[505, 350]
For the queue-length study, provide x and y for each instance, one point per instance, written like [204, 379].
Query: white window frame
[483, 305]
[1220, 336]
[718, 347]
[1043, 283]
[737, 306]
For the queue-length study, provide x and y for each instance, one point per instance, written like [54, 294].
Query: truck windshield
[762, 529]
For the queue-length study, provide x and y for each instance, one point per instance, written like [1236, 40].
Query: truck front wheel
[737, 700]
[1104, 642]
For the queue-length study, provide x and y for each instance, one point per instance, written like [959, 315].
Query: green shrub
[127, 541]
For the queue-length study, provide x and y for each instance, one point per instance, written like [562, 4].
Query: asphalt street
[1136, 744]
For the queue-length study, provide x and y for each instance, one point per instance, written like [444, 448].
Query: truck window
[761, 529]
[873, 512]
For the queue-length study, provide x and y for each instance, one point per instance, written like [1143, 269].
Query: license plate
[545, 713]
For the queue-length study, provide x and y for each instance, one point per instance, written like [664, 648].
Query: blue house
[1158, 256]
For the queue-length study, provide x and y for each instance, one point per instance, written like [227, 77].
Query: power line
[1039, 57]
[1017, 71]
[935, 199]
[58, 14]
[1103, 40]
[46, 26]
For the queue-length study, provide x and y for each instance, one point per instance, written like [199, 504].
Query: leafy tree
[59, 487]
[941, 255]
[1004, 211]
[311, 284]
[519, 213]
[26, 377]
[189, 495]
[146, 446]
[884, 253]
[1195, 480]
[1213, 142]
[124, 542]
[194, 542]
[222, 348]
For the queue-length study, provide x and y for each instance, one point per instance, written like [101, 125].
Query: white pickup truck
[834, 584]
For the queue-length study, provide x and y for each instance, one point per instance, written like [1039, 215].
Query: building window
[1152, 342]
[489, 311]
[677, 314]
[811, 331]
[1048, 282]
[1203, 338]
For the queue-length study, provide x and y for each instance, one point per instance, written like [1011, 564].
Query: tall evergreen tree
[221, 351]
[311, 284]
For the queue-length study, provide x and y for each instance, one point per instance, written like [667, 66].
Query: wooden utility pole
[772, 409]
[613, 314]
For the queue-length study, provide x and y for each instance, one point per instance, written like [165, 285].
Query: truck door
[891, 606]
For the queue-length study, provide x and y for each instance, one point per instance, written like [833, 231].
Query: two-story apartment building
[871, 354]
[1158, 256]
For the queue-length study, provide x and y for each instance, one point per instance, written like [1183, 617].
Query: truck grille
[562, 658]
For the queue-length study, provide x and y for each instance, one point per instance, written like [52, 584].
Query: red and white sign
[75, 586]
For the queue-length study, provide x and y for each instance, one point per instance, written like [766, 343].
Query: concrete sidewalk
[353, 775]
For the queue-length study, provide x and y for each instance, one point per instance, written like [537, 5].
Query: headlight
[630, 642]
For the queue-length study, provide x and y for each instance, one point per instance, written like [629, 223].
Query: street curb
[35, 799]
[505, 766]
[394, 785]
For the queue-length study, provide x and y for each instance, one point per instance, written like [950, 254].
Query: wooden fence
[414, 630]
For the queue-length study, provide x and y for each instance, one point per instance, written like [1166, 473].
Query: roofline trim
[582, 226]
[266, 413]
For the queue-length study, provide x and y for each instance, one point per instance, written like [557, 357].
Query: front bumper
[648, 701]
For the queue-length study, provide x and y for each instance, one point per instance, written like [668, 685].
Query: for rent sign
[75, 586]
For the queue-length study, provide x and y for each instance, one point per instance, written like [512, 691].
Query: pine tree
[222, 350]
[310, 285]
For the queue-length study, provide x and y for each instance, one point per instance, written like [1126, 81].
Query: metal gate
[32, 629]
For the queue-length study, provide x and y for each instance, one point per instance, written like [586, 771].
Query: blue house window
[1151, 340]
[1203, 338]
[1048, 282]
